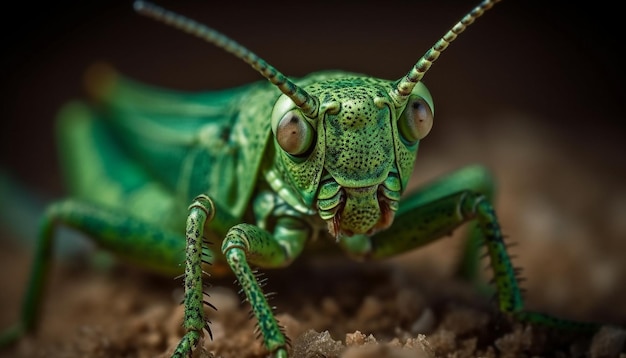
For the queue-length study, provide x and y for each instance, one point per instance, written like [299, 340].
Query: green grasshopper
[263, 169]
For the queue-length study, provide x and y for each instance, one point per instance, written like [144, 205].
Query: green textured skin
[155, 173]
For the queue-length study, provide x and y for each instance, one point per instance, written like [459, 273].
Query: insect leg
[434, 213]
[129, 237]
[475, 178]
[246, 243]
[201, 211]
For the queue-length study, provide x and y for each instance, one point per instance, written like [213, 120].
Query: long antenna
[307, 103]
[405, 85]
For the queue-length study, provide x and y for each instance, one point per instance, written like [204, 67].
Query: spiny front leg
[201, 211]
[244, 243]
[420, 222]
[509, 295]
[273, 336]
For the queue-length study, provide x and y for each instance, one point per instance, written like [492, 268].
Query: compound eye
[416, 121]
[294, 134]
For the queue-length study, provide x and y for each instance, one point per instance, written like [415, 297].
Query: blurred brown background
[548, 76]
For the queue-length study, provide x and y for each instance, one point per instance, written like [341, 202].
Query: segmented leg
[243, 243]
[509, 295]
[142, 242]
[436, 212]
[248, 243]
[475, 178]
[201, 211]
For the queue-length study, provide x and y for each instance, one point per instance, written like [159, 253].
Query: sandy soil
[338, 310]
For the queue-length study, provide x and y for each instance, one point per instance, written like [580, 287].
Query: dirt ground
[534, 91]
[411, 306]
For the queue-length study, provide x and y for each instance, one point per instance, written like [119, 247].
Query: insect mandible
[325, 156]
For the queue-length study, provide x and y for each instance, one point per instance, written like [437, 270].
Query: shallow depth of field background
[533, 90]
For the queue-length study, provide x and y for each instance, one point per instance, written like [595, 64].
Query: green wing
[206, 142]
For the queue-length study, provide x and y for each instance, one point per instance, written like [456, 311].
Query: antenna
[307, 103]
[405, 85]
